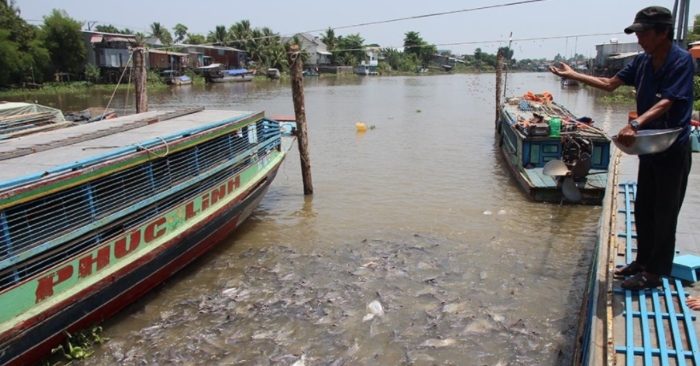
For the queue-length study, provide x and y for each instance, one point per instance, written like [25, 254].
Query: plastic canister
[554, 126]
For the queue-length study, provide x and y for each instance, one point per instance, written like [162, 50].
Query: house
[160, 59]
[368, 66]
[108, 51]
[315, 48]
[612, 57]
[203, 55]
[444, 60]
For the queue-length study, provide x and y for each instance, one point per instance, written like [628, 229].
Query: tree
[350, 50]
[108, 28]
[64, 41]
[23, 56]
[161, 33]
[180, 31]
[330, 41]
[271, 50]
[218, 35]
[193, 38]
[240, 35]
[414, 44]
[695, 34]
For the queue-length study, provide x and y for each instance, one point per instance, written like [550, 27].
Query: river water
[415, 224]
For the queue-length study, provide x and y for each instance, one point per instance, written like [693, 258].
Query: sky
[539, 29]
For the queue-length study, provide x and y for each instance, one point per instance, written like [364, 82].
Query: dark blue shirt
[674, 81]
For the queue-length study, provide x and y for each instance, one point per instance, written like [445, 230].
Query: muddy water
[416, 248]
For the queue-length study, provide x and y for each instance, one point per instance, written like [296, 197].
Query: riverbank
[155, 84]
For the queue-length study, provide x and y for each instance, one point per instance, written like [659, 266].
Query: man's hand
[626, 135]
[562, 70]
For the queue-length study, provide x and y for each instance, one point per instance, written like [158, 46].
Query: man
[663, 78]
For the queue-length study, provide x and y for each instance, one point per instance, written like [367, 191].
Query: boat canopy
[11, 109]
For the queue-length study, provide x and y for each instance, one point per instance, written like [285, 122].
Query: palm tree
[329, 39]
[240, 33]
[218, 35]
[161, 33]
[180, 31]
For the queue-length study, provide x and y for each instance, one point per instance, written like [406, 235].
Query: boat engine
[576, 154]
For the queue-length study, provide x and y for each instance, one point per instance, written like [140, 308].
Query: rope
[119, 81]
[167, 148]
[291, 144]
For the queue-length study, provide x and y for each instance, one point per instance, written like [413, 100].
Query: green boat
[93, 216]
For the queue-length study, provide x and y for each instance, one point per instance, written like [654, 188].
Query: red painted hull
[40, 334]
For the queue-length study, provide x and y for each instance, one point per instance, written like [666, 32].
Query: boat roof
[29, 158]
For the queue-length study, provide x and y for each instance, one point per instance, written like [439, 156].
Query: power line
[428, 15]
[495, 41]
[421, 16]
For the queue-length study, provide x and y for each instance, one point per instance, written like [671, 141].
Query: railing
[36, 234]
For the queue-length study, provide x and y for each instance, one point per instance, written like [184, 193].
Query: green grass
[77, 87]
[623, 95]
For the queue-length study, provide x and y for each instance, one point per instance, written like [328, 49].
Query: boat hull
[109, 295]
[228, 79]
[552, 194]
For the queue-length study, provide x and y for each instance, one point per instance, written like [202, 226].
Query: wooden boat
[19, 119]
[95, 215]
[532, 143]
[273, 73]
[173, 77]
[569, 82]
[215, 73]
[92, 114]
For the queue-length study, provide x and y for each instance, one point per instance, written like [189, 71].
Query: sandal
[641, 281]
[631, 269]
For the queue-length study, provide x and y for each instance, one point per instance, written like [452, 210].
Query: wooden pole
[296, 65]
[140, 78]
[499, 77]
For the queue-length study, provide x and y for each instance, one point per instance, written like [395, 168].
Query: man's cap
[648, 17]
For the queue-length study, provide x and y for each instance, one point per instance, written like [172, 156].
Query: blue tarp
[235, 72]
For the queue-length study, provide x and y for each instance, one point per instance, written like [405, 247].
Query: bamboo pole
[140, 77]
[499, 82]
[296, 65]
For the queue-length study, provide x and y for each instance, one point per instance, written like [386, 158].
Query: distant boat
[91, 114]
[173, 77]
[215, 73]
[553, 155]
[19, 119]
[273, 73]
[95, 215]
[569, 82]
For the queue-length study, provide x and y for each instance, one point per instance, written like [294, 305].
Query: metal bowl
[650, 141]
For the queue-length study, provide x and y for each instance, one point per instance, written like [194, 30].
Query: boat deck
[655, 327]
[50, 150]
[652, 327]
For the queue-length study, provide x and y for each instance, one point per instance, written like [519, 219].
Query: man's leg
[644, 211]
[671, 175]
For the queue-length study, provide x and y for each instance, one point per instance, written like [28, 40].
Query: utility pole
[296, 65]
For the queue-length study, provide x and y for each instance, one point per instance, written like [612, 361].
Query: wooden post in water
[140, 77]
[499, 82]
[295, 66]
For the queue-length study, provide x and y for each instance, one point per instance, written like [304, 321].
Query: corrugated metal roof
[164, 52]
